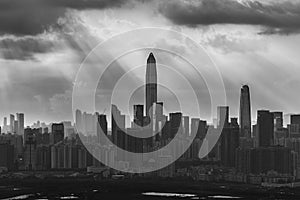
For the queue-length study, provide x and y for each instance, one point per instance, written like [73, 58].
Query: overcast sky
[43, 42]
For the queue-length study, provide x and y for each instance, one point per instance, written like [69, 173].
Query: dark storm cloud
[24, 48]
[31, 17]
[277, 17]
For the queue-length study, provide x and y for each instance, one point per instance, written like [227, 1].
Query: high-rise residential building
[245, 112]
[57, 133]
[151, 83]
[20, 118]
[223, 116]
[265, 128]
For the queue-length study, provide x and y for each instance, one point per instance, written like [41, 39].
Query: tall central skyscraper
[245, 112]
[151, 83]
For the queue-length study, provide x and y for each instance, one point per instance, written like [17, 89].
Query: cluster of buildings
[243, 149]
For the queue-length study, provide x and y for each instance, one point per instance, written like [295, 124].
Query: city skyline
[158, 143]
[135, 99]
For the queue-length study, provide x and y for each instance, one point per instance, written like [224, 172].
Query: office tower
[294, 127]
[175, 124]
[57, 133]
[158, 117]
[159, 110]
[279, 131]
[11, 122]
[278, 120]
[138, 115]
[245, 112]
[4, 130]
[151, 83]
[229, 143]
[101, 128]
[234, 122]
[295, 119]
[194, 125]
[78, 121]
[16, 127]
[20, 118]
[117, 125]
[89, 124]
[223, 116]
[265, 128]
[5, 121]
[186, 125]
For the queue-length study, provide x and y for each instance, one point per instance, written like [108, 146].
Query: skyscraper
[245, 112]
[78, 121]
[20, 118]
[117, 125]
[138, 114]
[151, 83]
[229, 143]
[223, 116]
[4, 125]
[57, 134]
[295, 119]
[11, 122]
[265, 128]
[101, 128]
[278, 120]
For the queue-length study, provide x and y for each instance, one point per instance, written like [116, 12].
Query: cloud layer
[276, 17]
[31, 17]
